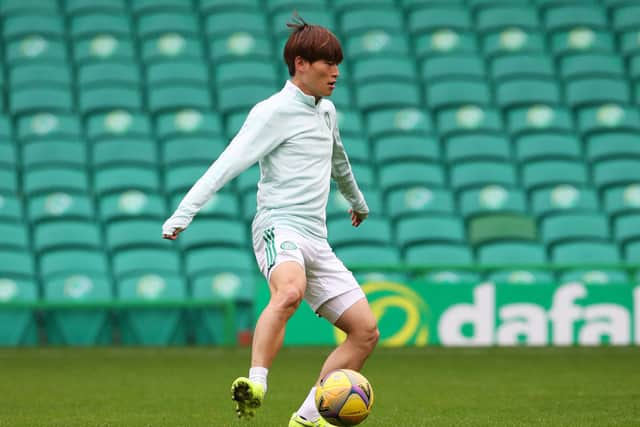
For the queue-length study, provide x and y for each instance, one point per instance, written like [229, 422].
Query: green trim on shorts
[270, 247]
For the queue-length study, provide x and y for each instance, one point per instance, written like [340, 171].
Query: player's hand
[357, 217]
[174, 235]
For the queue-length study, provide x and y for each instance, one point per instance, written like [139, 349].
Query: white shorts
[331, 287]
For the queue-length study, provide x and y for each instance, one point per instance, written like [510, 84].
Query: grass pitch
[413, 387]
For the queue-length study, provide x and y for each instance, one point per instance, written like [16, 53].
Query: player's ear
[301, 64]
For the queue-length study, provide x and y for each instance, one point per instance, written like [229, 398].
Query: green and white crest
[77, 286]
[375, 41]
[632, 195]
[407, 119]
[610, 115]
[513, 39]
[288, 245]
[8, 290]
[565, 196]
[418, 197]
[103, 45]
[58, 203]
[493, 197]
[132, 201]
[225, 284]
[444, 40]
[241, 43]
[171, 44]
[540, 116]
[581, 38]
[33, 46]
[150, 286]
[118, 121]
[44, 123]
[188, 120]
[469, 116]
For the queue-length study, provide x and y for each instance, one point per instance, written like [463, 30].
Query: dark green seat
[101, 47]
[108, 98]
[17, 263]
[121, 151]
[243, 97]
[581, 39]
[445, 41]
[197, 150]
[432, 18]
[376, 42]
[178, 179]
[357, 21]
[501, 227]
[521, 65]
[563, 17]
[509, 15]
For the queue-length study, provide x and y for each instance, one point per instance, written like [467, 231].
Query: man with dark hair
[294, 135]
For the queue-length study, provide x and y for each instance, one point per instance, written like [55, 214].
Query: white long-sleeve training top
[299, 148]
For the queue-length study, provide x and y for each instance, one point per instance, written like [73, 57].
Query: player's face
[317, 78]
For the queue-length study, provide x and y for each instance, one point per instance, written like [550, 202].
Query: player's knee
[289, 298]
[368, 337]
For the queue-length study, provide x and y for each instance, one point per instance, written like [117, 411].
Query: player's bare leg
[287, 285]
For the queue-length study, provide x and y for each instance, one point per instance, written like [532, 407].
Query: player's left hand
[357, 217]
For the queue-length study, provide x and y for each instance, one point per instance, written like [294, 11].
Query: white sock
[308, 409]
[259, 375]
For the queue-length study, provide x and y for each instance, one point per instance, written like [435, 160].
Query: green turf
[414, 387]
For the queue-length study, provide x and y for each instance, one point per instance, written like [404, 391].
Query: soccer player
[294, 135]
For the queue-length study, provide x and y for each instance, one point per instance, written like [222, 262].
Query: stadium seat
[17, 264]
[8, 157]
[66, 234]
[374, 231]
[347, 5]
[410, 174]
[108, 73]
[357, 21]
[608, 173]
[122, 178]
[146, 323]
[188, 122]
[122, 151]
[438, 255]
[481, 173]
[46, 25]
[376, 43]
[8, 181]
[153, 23]
[34, 47]
[435, 18]
[92, 24]
[103, 47]
[626, 18]
[450, 277]
[55, 179]
[585, 253]
[455, 93]
[14, 235]
[60, 205]
[547, 146]
[213, 260]
[622, 199]
[38, 74]
[10, 208]
[568, 227]
[509, 254]
[428, 229]
[244, 71]
[490, 200]
[399, 68]
[521, 92]
[632, 253]
[338, 207]
[20, 7]
[510, 41]
[475, 147]
[589, 91]
[243, 97]
[626, 228]
[369, 255]
[596, 277]
[405, 202]
[509, 15]
[118, 124]
[468, 120]
[179, 179]
[18, 326]
[445, 41]
[539, 118]
[379, 95]
[77, 7]
[581, 39]
[522, 277]
[501, 227]
[132, 262]
[44, 126]
[563, 17]
[167, 45]
[604, 146]
[132, 204]
[241, 44]
[37, 99]
[69, 153]
[178, 96]
[65, 262]
[608, 118]
[591, 65]
[134, 233]
[357, 149]
[521, 65]
[215, 233]
[546, 173]
[454, 66]
[224, 23]
[175, 72]
[405, 148]
[393, 121]
[350, 123]
[109, 98]
[192, 150]
[563, 199]
[152, 6]
[78, 326]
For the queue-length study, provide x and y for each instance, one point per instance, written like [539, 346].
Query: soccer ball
[344, 397]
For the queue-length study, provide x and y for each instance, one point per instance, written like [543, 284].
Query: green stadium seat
[221, 5]
[312, 13]
[350, 123]
[124, 150]
[591, 65]
[608, 173]
[8, 157]
[243, 97]
[132, 204]
[148, 324]
[562, 199]
[473, 147]
[376, 43]
[416, 4]
[458, 66]
[108, 73]
[596, 277]
[588, 91]
[395, 121]
[357, 149]
[59, 205]
[346, 5]
[365, 276]
[37, 99]
[78, 326]
[632, 253]
[564, 17]
[545, 173]
[151, 6]
[174, 71]
[357, 21]
[210, 323]
[406, 148]
[225, 23]
[405, 202]
[626, 228]
[14, 235]
[66, 234]
[445, 41]
[44, 126]
[338, 207]
[17, 264]
[132, 262]
[64, 153]
[527, 91]
[547, 146]
[363, 174]
[92, 24]
[567, 227]
[49, 26]
[6, 130]
[432, 18]
[626, 18]
[77, 7]
[522, 65]
[35, 74]
[103, 47]
[107, 98]
[621, 145]
[585, 253]
[288, 5]
[629, 43]
[21, 7]
[608, 118]
[509, 15]
[118, 124]
[522, 277]
[374, 231]
[188, 122]
[383, 68]
[202, 261]
[429, 229]
[195, 150]
[134, 233]
[490, 200]
[622, 199]
[206, 232]
[158, 22]
[72, 261]
[539, 118]
[18, 326]
[221, 205]
[581, 39]
[246, 71]
[8, 181]
[122, 178]
[511, 41]
[169, 45]
[501, 227]
[34, 47]
[371, 255]
[439, 255]
[450, 277]
[178, 96]
[55, 179]
[379, 95]
[410, 174]
[179, 179]
[240, 44]
[455, 93]
[10, 208]
[481, 173]
[544, 4]
[509, 254]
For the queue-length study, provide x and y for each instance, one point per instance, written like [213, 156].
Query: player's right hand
[174, 235]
